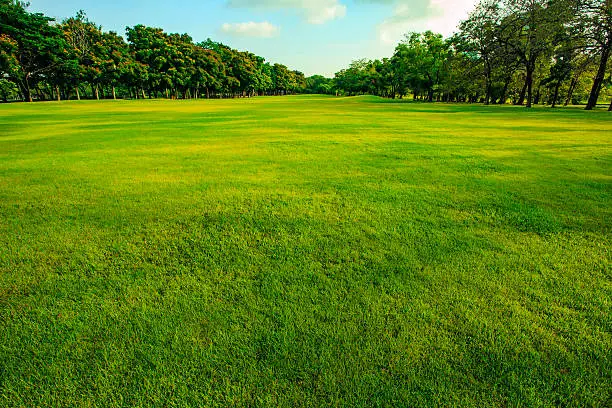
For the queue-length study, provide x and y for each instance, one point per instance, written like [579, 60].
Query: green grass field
[304, 251]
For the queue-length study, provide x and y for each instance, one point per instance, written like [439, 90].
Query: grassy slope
[304, 251]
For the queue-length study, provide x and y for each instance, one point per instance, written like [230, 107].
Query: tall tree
[594, 23]
[478, 34]
[39, 44]
[529, 28]
[280, 79]
[81, 35]
[318, 84]
[114, 55]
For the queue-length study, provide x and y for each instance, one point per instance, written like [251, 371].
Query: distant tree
[421, 57]
[207, 70]
[280, 79]
[114, 56]
[318, 84]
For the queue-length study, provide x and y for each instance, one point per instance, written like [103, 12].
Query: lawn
[304, 251]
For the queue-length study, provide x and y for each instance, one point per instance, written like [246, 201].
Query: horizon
[331, 33]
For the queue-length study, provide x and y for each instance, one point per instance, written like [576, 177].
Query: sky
[312, 36]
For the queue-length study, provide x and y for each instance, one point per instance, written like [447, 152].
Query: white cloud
[314, 11]
[324, 14]
[440, 16]
[251, 29]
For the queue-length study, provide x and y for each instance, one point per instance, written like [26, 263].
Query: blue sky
[313, 36]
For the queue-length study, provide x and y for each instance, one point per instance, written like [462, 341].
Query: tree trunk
[207, 93]
[555, 94]
[610, 107]
[487, 84]
[78, 95]
[97, 93]
[599, 78]
[521, 98]
[571, 89]
[57, 93]
[114, 93]
[143, 93]
[27, 91]
[529, 82]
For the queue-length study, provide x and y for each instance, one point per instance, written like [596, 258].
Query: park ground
[304, 251]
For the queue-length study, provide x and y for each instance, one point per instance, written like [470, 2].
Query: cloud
[314, 11]
[440, 16]
[251, 29]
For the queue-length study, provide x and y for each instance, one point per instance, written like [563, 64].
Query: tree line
[521, 51]
[41, 59]
[524, 52]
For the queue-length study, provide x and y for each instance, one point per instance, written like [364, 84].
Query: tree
[594, 23]
[280, 79]
[39, 46]
[113, 56]
[318, 84]
[207, 70]
[559, 73]
[478, 34]
[529, 29]
[81, 35]
[421, 57]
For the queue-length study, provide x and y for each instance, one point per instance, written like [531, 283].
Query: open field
[304, 251]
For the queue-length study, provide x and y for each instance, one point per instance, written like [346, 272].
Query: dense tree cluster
[522, 51]
[41, 59]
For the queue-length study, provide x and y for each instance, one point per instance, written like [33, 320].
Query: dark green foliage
[318, 84]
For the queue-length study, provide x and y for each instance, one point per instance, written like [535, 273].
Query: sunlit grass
[304, 251]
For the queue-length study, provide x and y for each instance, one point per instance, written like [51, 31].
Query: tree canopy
[520, 51]
[45, 59]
